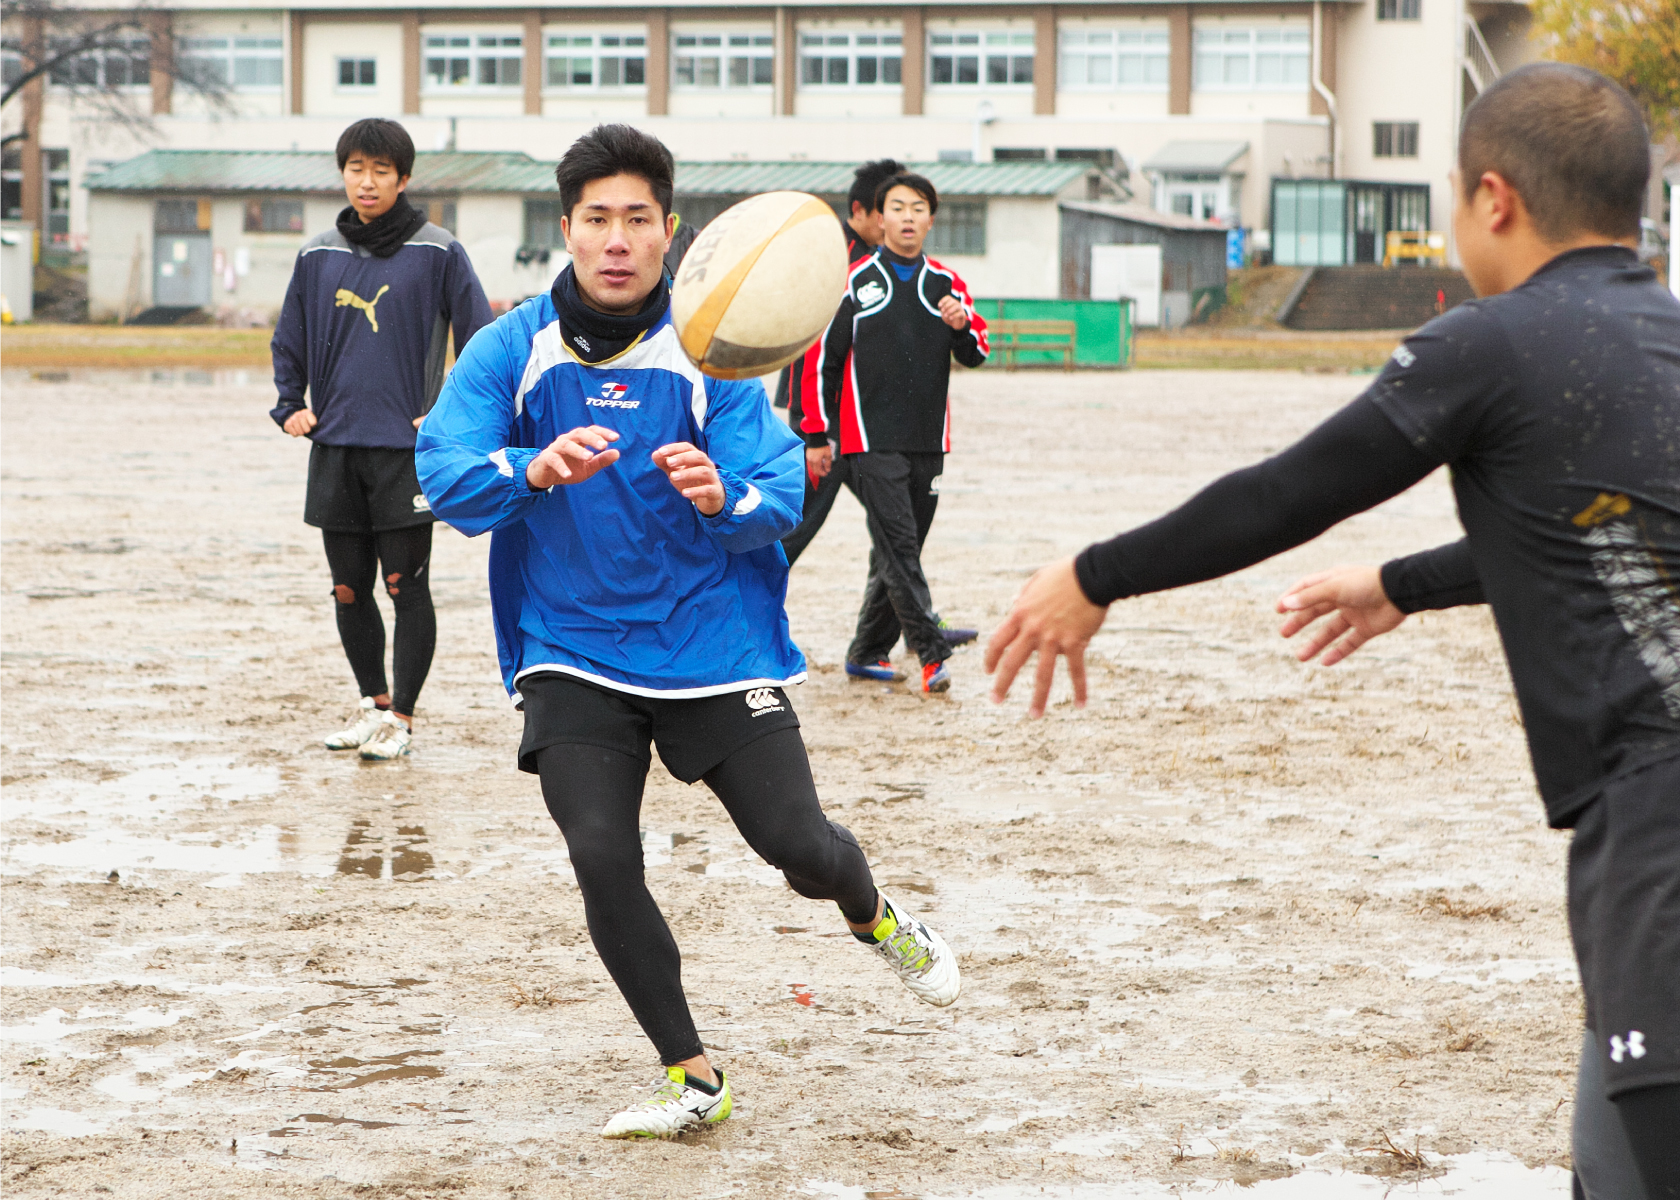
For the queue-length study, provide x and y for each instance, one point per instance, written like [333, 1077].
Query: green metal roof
[474, 171]
[313, 171]
[835, 179]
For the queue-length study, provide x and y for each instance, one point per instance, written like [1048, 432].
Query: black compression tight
[595, 796]
[405, 556]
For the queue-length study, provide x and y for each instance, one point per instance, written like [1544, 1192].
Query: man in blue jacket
[363, 331]
[638, 594]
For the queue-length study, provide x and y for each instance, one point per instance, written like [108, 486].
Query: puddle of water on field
[290, 1130]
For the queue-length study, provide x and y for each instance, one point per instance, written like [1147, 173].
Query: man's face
[372, 184]
[905, 221]
[617, 237]
[866, 224]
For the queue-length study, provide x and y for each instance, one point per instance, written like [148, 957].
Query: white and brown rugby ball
[759, 284]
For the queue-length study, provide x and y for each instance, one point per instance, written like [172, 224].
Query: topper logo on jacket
[612, 396]
[345, 298]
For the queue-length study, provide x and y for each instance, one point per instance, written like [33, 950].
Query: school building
[1193, 111]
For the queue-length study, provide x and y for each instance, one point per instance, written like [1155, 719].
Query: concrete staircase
[1373, 297]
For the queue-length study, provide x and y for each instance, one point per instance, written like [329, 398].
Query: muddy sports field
[1241, 924]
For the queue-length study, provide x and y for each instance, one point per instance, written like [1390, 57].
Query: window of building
[488, 61]
[1235, 58]
[851, 59]
[1018, 154]
[1399, 10]
[358, 72]
[274, 216]
[177, 215]
[127, 64]
[55, 164]
[596, 60]
[11, 184]
[1122, 60]
[246, 64]
[959, 228]
[724, 60]
[1394, 139]
[999, 58]
[11, 62]
[542, 224]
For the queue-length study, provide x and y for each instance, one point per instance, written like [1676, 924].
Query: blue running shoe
[880, 672]
[957, 637]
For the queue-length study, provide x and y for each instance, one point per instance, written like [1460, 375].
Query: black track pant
[819, 500]
[595, 796]
[897, 490]
[403, 555]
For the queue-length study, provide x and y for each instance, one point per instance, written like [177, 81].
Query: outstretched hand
[1051, 617]
[1360, 610]
[693, 474]
[572, 457]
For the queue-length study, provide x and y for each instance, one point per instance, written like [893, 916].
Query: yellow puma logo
[346, 297]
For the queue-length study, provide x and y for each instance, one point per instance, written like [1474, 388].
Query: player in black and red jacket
[802, 383]
[885, 365]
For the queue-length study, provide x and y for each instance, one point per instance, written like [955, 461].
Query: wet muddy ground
[1240, 922]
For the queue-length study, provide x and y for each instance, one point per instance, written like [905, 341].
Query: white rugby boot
[918, 956]
[676, 1107]
[360, 731]
[392, 741]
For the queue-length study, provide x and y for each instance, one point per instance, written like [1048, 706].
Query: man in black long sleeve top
[885, 364]
[1555, 400]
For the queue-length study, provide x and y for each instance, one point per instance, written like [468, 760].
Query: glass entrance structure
[1333, 222]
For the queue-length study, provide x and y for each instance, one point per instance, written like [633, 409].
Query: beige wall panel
[960, 103]
[1118, 105]
[122, 222]
[1248, 105]
[330, 41]
[720, 104]
[594, 106]
[883, 104]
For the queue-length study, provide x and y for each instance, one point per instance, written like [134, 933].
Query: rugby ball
[759, 284]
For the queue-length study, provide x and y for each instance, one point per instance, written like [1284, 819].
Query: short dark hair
[916, 183]
[609, 150]
[1569, 141]
[867, 178]
[377, 137]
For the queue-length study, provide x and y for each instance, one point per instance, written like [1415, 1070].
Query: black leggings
[595, 796]
[355, 560]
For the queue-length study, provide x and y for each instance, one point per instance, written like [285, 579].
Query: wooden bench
[1012, 337]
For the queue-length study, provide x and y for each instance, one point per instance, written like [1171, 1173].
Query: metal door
[181, 270]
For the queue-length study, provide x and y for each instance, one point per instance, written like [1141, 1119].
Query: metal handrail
[1478, 59]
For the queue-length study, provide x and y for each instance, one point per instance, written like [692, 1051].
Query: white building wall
[1401, 71]
[329, 41]
[1019, 232]
[125, 236]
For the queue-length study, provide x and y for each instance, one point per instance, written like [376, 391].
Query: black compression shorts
[693, 735]
[1624, 915]
[363, 489]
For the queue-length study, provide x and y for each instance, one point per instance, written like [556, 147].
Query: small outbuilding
[219, 230]
[1172, 266]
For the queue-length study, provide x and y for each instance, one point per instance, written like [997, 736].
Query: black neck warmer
[595, 336]
[385, 234]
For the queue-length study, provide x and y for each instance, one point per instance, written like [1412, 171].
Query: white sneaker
[361, 730]
[918, 956]
[391, 741]
[676, 1107]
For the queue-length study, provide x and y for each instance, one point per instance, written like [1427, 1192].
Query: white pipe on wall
[1318, 86]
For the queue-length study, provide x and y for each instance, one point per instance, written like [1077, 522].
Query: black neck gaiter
[595, 336]
[385, 234]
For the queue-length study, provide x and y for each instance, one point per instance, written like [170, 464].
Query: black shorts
[1624, 915]
[363, 489]
[693, 736]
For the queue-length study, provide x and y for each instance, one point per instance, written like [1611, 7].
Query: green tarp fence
[1104, 337]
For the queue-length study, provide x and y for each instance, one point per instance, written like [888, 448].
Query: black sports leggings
[595, 796]
[355, 560]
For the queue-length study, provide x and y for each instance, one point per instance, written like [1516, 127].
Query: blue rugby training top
[619, 580]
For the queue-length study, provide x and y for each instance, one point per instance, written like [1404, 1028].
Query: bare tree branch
[73, 49]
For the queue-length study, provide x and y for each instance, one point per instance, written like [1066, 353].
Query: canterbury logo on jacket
[619, 580]
[885, 361]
